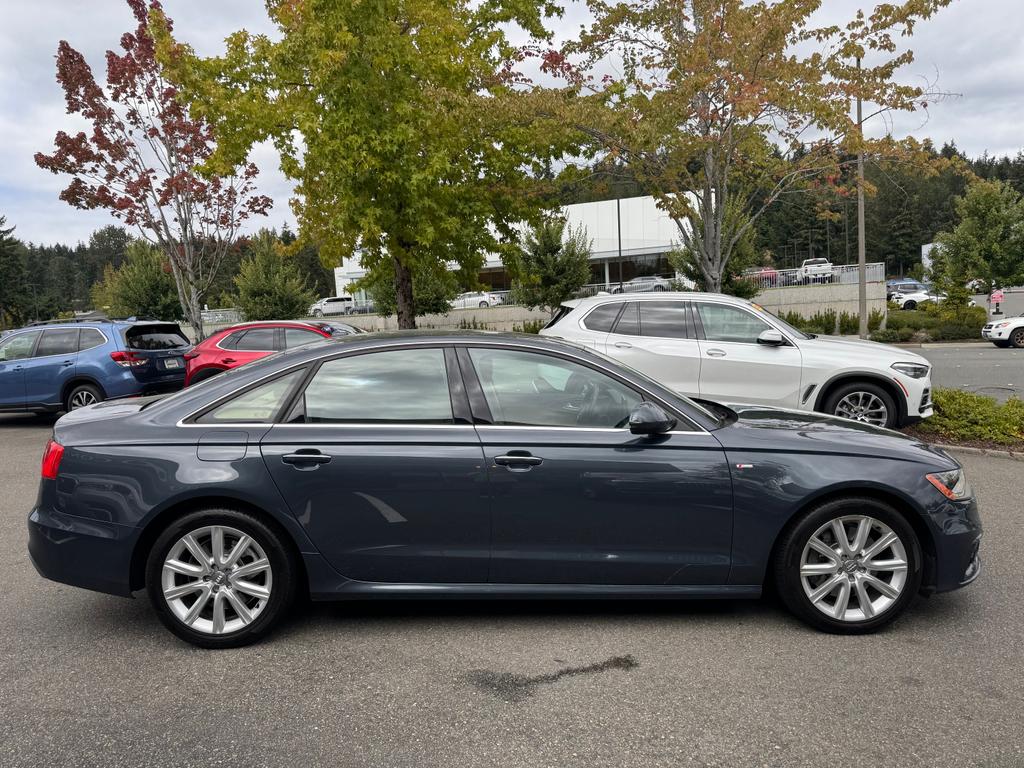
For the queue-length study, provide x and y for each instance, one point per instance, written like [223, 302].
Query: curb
[940, 344]
[970, 449]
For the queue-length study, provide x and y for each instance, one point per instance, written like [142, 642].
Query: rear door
[659, 338]
[14, 352]
[51, 366]
[735, 367]
[379, 462]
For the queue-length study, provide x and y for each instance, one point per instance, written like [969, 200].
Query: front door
[735, 368]
[14, 353]
[51, 367]
[577, 498]
[384, 471]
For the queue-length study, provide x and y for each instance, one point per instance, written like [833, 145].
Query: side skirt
[361, 590]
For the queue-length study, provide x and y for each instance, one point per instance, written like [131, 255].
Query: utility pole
[862, 286]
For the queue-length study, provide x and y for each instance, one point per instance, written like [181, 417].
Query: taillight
[51, 459]
[128, 359]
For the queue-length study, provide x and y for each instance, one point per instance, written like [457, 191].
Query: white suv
[727, 349]
[1005, 331]
[332, 305]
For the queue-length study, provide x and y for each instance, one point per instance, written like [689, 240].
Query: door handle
[310, 458]
[519, 461]
[623, 345]
[227, 359]
[66, 363]
[716, 353]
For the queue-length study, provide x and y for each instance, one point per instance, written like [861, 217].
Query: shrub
[529, 326]
[892, 335]
[967, 416]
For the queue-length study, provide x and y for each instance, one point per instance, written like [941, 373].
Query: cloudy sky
[975, 48]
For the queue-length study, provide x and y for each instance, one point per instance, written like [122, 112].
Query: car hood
[779, 430]
[870, 349]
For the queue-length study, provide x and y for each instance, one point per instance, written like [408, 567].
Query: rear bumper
[91, 554]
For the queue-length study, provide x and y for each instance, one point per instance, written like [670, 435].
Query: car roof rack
[58, 321]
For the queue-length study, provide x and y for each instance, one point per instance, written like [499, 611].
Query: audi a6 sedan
[487, 465]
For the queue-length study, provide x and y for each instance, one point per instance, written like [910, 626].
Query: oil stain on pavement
[516, 688]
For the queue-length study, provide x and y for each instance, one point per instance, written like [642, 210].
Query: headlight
[913, 370]
[1000, 325]
[952, 484]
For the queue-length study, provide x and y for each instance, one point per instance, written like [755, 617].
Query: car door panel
[608, 507]
[674, 361]
[51, 367]
[17, 350]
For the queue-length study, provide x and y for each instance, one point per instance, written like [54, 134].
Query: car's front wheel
[1017, 338]
[910, 305]
[220, 578]
[849, 566]
[863, 401]
[1001, 344]
[318, 313]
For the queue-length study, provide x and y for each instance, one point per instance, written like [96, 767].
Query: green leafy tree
[399, 120]
[14, 300]
[142, 286]
[269, 284]
[434, 286]
[551, 265]
[724, 98]
[686, 261]
[987, 243]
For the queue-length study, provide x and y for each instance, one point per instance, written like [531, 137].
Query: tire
[1017, 338]
[82, 395]
[483, 305]
[837, 401]
[318, 313]
[794, 553]
[910, 305]
[280, 578]
[1001, 344]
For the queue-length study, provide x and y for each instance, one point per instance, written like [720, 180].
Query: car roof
[657, 296]
[315, 324]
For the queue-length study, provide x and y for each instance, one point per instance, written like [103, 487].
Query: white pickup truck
[815, 271]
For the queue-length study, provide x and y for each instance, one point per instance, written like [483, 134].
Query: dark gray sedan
[453, 465]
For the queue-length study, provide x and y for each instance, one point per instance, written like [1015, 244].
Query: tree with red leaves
[140, 162]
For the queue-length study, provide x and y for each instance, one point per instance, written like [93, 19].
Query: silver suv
[727, 349]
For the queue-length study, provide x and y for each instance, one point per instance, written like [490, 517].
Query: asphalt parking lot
[977, 367]
[91, 680]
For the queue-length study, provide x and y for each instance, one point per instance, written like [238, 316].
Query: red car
[245, 342]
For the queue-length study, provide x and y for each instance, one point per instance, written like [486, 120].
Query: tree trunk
[403, 295]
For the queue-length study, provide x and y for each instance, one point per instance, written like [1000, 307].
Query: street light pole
[862, 287]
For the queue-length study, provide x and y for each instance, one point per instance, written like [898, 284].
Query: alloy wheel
[82, 398]
[863, 406]
[854, 568]
[1017, 339]
[216, 579]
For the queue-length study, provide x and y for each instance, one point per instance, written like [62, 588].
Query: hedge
[965, 417]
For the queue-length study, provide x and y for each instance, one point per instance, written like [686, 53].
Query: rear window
[602, 318]
[168, 336]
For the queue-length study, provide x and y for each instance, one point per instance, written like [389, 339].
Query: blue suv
[63, 365]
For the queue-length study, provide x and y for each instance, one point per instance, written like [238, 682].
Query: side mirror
[771, 338]
[650, 419]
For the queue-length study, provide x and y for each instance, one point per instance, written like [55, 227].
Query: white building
[630, 237]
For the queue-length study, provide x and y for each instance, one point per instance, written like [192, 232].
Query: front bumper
[91, 554]
[958, 561]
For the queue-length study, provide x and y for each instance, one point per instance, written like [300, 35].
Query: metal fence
[769, 277]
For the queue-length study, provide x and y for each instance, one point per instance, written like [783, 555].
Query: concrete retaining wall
[808, 300]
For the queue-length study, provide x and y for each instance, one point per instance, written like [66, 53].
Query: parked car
[475, 299]
[731, 350]
[355, 469]
[57, 366]
[1005, 332]
[643, 284]
[243, 343]
[332, 305]
[903, 286]
[766, 277]
[915, 299]
[815, 271]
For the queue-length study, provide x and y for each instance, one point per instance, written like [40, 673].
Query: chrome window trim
[246, 330]
[440, 342]
[40, 331]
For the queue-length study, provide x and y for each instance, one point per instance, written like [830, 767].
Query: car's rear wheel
[849, 566]
[203, 375]
[910, 305]
[82, 395]
[220, 578]
[863, 401]
[1017, 338]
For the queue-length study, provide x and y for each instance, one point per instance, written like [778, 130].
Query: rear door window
[665, 319]
[296, 337]
[58, 341]
[155, 337]
[629, 322]
[90, 338]
[257, 340]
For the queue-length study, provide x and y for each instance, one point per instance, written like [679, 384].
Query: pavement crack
[515, 688]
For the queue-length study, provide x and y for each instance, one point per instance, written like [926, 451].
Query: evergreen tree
[551, 265]
[13, 285]
[269, 285]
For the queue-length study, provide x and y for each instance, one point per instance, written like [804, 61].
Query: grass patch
[972, 419]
